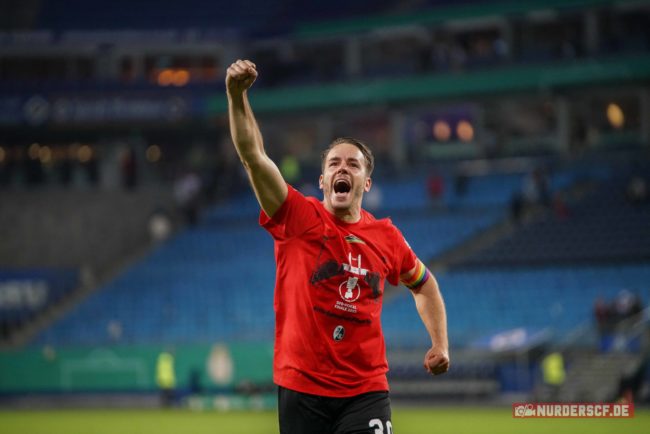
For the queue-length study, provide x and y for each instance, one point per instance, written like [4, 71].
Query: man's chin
[340, 205]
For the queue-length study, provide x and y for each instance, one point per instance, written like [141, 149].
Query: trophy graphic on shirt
[350, 285]
[349, 290]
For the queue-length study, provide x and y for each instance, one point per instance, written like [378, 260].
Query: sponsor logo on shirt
[354, 239]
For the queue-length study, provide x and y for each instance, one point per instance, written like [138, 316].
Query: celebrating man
[332, 259]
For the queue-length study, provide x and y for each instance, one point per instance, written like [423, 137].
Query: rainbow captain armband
[419, 277]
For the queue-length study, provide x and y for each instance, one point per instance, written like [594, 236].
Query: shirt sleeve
[295, 216]
[404, 259]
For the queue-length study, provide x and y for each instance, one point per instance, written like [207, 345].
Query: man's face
[344, 177]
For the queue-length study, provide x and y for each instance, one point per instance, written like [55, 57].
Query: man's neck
[349, 215]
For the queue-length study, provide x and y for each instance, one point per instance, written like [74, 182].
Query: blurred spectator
[65, 169]
[114, 330]
[440, 55]
[187, 194]
[166, 378]
[631, 382]
[160, 225]
[554, 374]
[602, 314]
[610, 316]
[501, 48]
[435, 188]
[624, 305]
[5, 173]
[290, 168]
[457, 57]
[33, 169]
[6, 328]
[129, 165]
[92, 170]
[195, 382]
[535, 189]
[637, 191]
[617, 317]
[560, 206]
[637, 305]
[460, 184]
[516, 207]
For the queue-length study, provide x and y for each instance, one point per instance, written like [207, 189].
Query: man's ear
[366, 187]
[320, 182]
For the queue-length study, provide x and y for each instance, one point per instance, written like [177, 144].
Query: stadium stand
[481, 302]
[192, 278]
[605, 226]
[197, 287]
[459, 86]
[202, 282]
[36, 226]
[47, 260]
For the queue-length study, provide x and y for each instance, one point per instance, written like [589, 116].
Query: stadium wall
[219, 367]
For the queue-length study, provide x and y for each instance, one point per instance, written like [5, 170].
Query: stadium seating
[604, 226]
[431, 235]
[480, 302]
[203, 285]
[215, 281]
[199, 288]
[408, 194]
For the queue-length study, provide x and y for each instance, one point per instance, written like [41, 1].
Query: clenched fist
[436, 361]
[240, 76]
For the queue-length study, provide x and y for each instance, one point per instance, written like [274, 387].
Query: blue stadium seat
[480, 302]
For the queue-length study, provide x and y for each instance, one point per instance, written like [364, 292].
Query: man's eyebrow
[336, 158]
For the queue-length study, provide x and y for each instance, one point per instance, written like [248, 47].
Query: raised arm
[431, 308]
[265, 177]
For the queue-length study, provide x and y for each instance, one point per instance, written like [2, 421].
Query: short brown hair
[365, 150]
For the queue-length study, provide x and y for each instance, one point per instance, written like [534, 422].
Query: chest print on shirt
[349, 289]
[326, 270]
[370, 277]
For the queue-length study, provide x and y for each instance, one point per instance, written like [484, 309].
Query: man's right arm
[265, 177]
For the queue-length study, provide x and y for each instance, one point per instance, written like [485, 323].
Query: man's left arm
[431, 307]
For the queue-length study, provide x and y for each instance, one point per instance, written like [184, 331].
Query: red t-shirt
[328, 297]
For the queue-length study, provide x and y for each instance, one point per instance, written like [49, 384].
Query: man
[332, 259]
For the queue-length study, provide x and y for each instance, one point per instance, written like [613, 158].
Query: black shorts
[302, 413]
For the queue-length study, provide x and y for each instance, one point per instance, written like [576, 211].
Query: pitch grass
[435, 420]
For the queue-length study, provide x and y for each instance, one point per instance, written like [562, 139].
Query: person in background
[166, 378]
[554, 374]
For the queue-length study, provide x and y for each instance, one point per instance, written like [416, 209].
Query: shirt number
[379, 426]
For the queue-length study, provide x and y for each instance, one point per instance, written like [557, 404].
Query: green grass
[438, 420]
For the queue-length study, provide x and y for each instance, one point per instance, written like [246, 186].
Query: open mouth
[342, 186]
